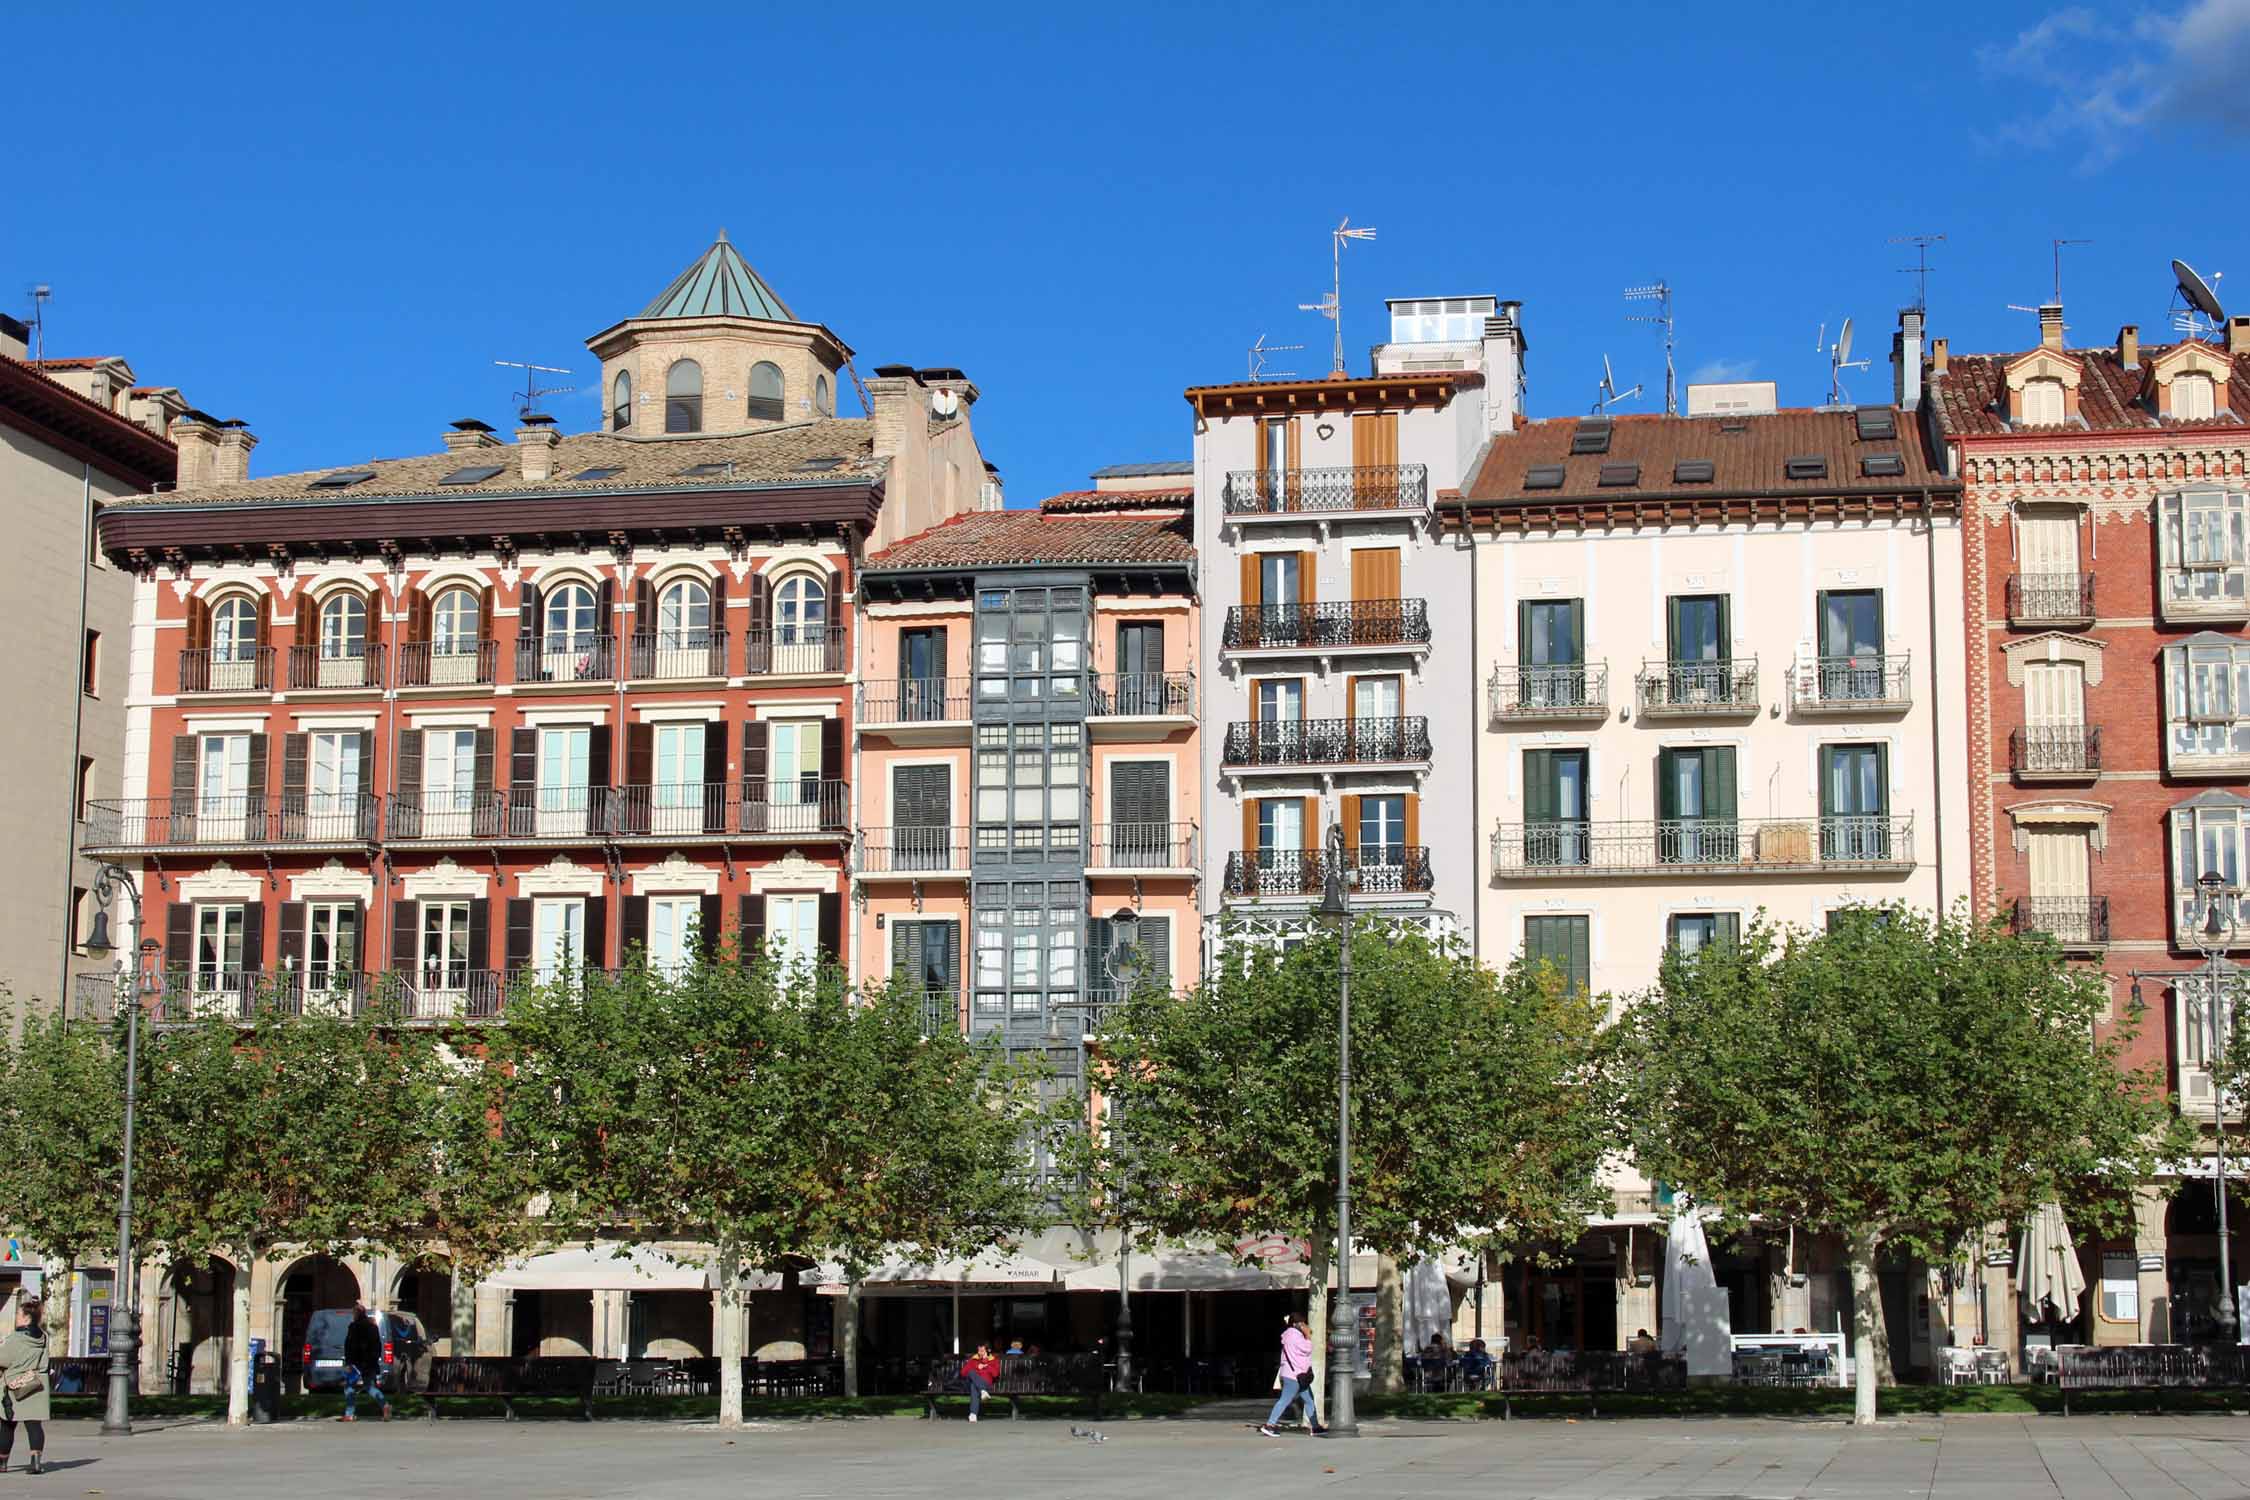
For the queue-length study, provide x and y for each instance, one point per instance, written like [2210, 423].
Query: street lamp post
[1343, 1338]
[1125, 962]
[2212, 936]
[124, 1342]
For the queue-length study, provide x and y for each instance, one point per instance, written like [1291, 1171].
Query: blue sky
[330, 220]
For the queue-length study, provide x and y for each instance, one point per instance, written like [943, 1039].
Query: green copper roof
[720, 285]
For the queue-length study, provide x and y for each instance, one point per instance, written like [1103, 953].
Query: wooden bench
[490, 1378]
[2152, 1367]
[1591, 1373]
[1021, 1375]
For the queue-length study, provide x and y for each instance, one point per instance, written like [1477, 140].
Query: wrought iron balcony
[2055, 752]
[1364, 487]
[190, 821]
[2049, 598]
[914, 700]
[1142, 695]
[1703, 846]
[1329, 742]
[794, 650]
[470, 664]
[2073, 921]
[1699, 689]
[1330, 625]
[572, 658]
[1865, 684]
[1143, 846]
[660, 654]
[239, 669]
[941, 1012]
[523, 814]
[1576, 691]
[913, 849]
[1396, 870]
[359, 665]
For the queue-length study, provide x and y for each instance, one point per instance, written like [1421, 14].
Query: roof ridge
[30, 367]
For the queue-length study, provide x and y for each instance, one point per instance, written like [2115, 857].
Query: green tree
[479, 1194]
[62, 1111]
[1478, 1119]
[1900, 1082]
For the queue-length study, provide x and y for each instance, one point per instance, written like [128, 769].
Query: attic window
[1543, 477]
[706, 471]
[819, 465]
[1882, 466]
[1614, 475]
[1591, 436]
[585, 474]
[343, 480]
[1694, 471]
[1805, 466]
[474, 474]
[1876, 422]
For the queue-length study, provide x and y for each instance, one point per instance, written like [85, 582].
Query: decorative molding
[333, 882]
[222, 882]
[559, 877]
[2060, 813]
[676, 876]
[446, 880]
[577, 713]
[793, 872]
[2055, 645]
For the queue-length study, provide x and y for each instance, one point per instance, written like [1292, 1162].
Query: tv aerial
[1920, 270]
[1331, 306]
[1660, 294]
[527, 399]
[1607, 394]
[1258, 353]
[2195, 302]
[1839, 360]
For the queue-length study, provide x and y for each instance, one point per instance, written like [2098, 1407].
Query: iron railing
[912, 848]
[2073, 921]
[803, 807]
[1866, 683]
[359, 665]
[1328, 742]
[1353, 487]
[1142, 694]
[914, 700]
[941, 1012]
[190, 821]
[1579, 690]
[572, 658]
[94, 997]
[471, 664]
[670, 809]
[2050, 598]
[1703, 846]
[1396, 870]
[793, 649]
[205, 669]
[1683, 688]
[1330, 625]
[659, 654]
[2055, 750]
[1143, 846]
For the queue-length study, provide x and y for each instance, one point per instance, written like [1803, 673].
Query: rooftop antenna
[2058, 265]
[40, 296]
[2195, 302]
[1258, 353]
[1331, 306]
[1920, 270]
[1661, 295]
[1839, 360]
[1607, 394]
[527, 399]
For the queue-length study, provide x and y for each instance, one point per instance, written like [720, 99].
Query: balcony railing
[1142, 695]
[1699, 689]
[356, 666]
[1873, 683]
[1331, 625]
[672, 809]
[574, 658]
[941, 1012]
[912, 849]
[191, 821]
[1143, 846]
[802, 808]
[660, 654]
[1396, 870]
[794, 649]
[757, 806]
[219, 670]
[1329, 742]
[914, 700]
[1576, 691]
[1703, 846]
[1361, 487]
[470, 664]
[2073, 921]
[2050, 598]
[2061, 752]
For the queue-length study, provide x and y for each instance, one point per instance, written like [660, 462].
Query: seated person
[1640, 1343]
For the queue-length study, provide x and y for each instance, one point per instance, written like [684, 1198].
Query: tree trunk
[54, 1311]
[1316, 1272]
[728, 1344]
[847, 1337]
[238, 1354]
[1867, 1324]
[1388, 1377]
[461, 1317]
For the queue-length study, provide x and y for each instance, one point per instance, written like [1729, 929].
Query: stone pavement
[1955, 1458]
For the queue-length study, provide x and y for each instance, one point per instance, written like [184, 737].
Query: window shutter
[417, 616]
[1539, 800]
[831, 918]
[903, 944]
[1311, 815]
[632, 927]
[519, 934]
[1883, 780]
[644, 606]
[480, 933]
[1156, 948]
[597, 755]
[952, 958]
[719, 663]
[484, 613]
[707, 927]
[1718, 781]
[640, 754]
[179, 935]
[308, 622]
[527, 610]
[1308, 572]
[831, 750]
[405, 920]
[254, 937]
[1524, 654]
[597, 932]
[295, 749]
[750, 929]
[1250, 825]
[754, 736]
[265, 620]
[484, 762]
[1672, 627]
[758, 637]
[293, 947]
[184, 748]
[1728, 927]
[1828, 781]
[1726, 628]
[198, 625]
[355, 919]
[1351, 699]
[1668, 784]
[523, 778]
[605, 613]
[1250, 581]
[1351, 822]
[715, 782]
[254, 787]
[1581, 959]
[1413, 820]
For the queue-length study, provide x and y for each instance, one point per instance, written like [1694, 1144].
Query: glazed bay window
[2204, 555]
[2207, 706]
[2208, 835]
[1031, 646]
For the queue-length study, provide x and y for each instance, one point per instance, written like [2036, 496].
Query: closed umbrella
[1429, 1304]
[2047, 1274]
[1696, 1320]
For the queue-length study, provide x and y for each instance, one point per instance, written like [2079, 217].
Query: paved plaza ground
[1959, 1458]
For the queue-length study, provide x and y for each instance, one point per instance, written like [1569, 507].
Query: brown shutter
[293, 935]
[1251, 579]
[255, 787]
[179, 935]
[184, 747]
[265, 620]
[1351, 821]
[1375, 574]
[295, 751]
[523, 780]
[831, 932]
[640, 754]
[1413, 820]
[484, 763]
[404, 916]
[484, 613]
[644, 605]
[597, 933]
[1249, 825]
[707, 927]
[308, 621]
[1308, 578]
[254, 937]
[1292, 463]
[754, 732]
[417, 616]
[831, 750]
[1351, 699]
[758, 628]
[409, 758]
[632, 926]
[480, 933]
[198, 625]
[519, 936]
[1313, 845]
[720, 666]
[750, 933]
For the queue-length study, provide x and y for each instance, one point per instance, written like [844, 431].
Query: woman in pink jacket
[1295, 1378]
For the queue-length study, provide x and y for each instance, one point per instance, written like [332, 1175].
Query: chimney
[1504, 349]
[1906, 361]
[897, 408]
[15, 338]
[2238, 336]
[538, 440]
[468, 435]
[197, 438]
[1937, 357]
[2050, 325]
[231, 464]
[2129, 346]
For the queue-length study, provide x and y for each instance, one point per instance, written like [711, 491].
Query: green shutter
[902, 944]
[1581, 960]
[1672, 627]
[1577, 632]
[1718, 782]
[1523, 634]
[1540, 797]
[1882, 781]
[1828, 781]
[1729, 927]
[1726, 628]
[1668, 784]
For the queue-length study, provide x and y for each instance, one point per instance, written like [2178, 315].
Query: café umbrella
[2047, 1272]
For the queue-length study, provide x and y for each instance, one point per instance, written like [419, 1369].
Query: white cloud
[1720, 371]
[2111, 79]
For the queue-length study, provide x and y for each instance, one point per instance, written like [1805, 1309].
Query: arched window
[343, 628]
[683, 397]
[570, 622]
[2192, 398]
[766, 403]
[800, 610]
[683, 616]
[453, 623]
[234, 629]
[621, 401]
[2043, 403]
[823, 398]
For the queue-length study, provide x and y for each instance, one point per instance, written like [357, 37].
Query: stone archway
[427, 1293]
[192, 1335]
[307, 1286]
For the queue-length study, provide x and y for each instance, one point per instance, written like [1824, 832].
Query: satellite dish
[1844, 344]
[1609, 377]
[945, 403]
[2198, 292]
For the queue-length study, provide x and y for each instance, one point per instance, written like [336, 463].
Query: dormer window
[621, 401]
[766, 403]
[683, 397]
[2042, 403]
[2193, 397]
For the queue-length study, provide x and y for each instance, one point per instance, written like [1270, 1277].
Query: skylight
[1876, 422]
[705, 471]
[1592, 436]
[1882, 465]
[585, 474]
[1694, 471]
[1543, 477]
[474, 474]
[1614, 475]
[819, 465]
[343, 479]
[1806, 466]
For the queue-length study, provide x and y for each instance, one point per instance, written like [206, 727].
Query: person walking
[363, 1363]
[23, 1385]
[980, 1370]
[1294, 1378]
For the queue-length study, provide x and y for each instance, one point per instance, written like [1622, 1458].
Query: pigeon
[1089, 1434]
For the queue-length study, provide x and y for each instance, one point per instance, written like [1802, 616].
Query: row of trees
[1899, 1082]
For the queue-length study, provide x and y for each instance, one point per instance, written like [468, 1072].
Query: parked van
[406, 1349]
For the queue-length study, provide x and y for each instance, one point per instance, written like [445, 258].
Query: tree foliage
[62, 1112]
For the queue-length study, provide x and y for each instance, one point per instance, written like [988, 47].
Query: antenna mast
[1331, 307]
[1839, 360]
[1661, 295]
[1920, 270]
[40, 296]
[2058, 265]
[1258, 353]
[527, 399]
[1607, 395]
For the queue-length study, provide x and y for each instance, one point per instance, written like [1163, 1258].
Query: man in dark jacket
[363, 1363]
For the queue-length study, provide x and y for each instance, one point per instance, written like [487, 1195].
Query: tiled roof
[773, 455]
[1167, 467]
[75, 362]
[1748, 454]
[1001, 538]
[1970, 396]
[1100, 500]
[127, 450]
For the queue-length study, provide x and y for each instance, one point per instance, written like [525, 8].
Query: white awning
[641, 1268]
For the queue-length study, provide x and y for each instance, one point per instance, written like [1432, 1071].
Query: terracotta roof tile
[999, 538]
[1082, 501]
[1969, 396]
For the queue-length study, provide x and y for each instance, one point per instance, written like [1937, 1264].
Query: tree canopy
[62, 1113]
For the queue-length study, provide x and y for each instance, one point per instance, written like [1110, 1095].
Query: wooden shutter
[1250, 825]
[597, 932]
[254, 937]
[1828, 781]
[405, 919]
[632, 926]
[1351, 820]
[1308, 579]
[417, 616]
[1252, 581]
[265, 620]
[1540, 800]
[179, 935]
[707, 927]
[523, 778]
[905, 948]
[1728, 927]
[640, 754]
[830, 935]
[1375, 574]
[606, 618]
[2058, 865]
[254, 787]
[198, 625]
[308, 622]
[480, 933]
[293, 935]
[1718, 782]
[527, 610]
[354, 917]
[409, 758]
[484, 763]
[597, 756]
[519, 934]
[1413, 820]
[184, 768]
[715, 782]
[644, 606]
[484, 613]
[719, 666]
[758, 634]
[1374, 439]
[831, 749]
[1351, 697]
[750, 929]
[295, 750]
[755, 735]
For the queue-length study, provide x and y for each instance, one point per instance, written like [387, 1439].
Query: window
[449, 781]
[455, 624]
[793, 773]
[2203, 541]
[683, 397]
[1382, 829]
[1561, 942]
[85, 783]
[683, 623]
[1281, 839]
[234, 632]
[570, 622]
[621, 401]
[800, 624]
[445, 956]
[2207, 837]
[676, 763]
[1376, 698]
[2207, 698]
[343, 628]
[1278, 580]
[673, 922]
[793, 929]
[1551, 650]
[218, 946]
[2054, 711]
[2193, 399]
[558, 935]
[1695, 806]
[1281, 700]
[1140, 815]
[766, 403]
[824, 396]
[2061, 901]
[1854, 802]
[1851, 646]
[564, 779]
[1554, 807]
[332, 784]
[331, 944]
[223, 787]
[928, 955]
[92, 685]
[1692, 932]
[2042, 403]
